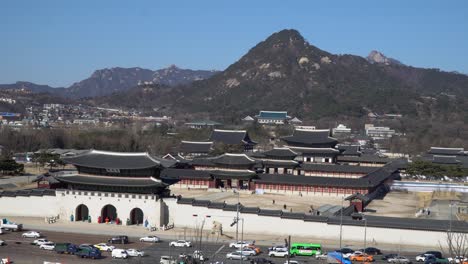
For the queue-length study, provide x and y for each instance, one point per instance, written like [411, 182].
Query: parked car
[105, 247]
[152, 239]
[180, 243]
[236, 256]
[40, 241]
[118, 240]
[31, 234]
[248, 251]
[371, 251]
[279, 252]
[47, 246]
[423, 257]
[119, 253]
[166, 260]
[240, 244]
[359, 256]
[135, 252]
[322, 256]
[399, 259]
[337, 258]
[2, 243]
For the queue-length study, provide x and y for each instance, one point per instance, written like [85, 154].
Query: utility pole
[341, 222]
[237, 218]
[365, 232]
[288, 242]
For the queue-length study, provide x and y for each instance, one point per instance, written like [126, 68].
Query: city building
[379, 132]
[341, 130]
[273, 117]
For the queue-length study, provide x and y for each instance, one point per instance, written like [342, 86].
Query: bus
[305, 249]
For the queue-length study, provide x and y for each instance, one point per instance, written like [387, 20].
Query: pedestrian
[284, 206]
[273, 201]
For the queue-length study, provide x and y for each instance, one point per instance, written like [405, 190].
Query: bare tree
[457, 244]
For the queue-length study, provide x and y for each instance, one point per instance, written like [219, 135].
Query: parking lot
[19, 250]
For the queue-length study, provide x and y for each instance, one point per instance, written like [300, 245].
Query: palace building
[233, 137]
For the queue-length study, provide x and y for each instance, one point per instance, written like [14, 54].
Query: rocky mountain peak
[378, 57]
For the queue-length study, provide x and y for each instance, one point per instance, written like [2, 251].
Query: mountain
[107, 81]
[35, 88]
[379, 58]
[285, 72]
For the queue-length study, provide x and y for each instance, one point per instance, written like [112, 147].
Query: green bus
[305, 249]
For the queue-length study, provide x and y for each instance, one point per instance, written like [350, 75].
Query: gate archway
[109, 211]
[136, 216]
[81, 212]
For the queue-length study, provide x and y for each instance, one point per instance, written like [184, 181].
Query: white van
[119, 253]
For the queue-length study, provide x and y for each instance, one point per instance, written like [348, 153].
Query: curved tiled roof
[233, 159]
[195, 147]
[280, 152]
[114, 160]
[231, 137]
[310, 137]
[111, 181]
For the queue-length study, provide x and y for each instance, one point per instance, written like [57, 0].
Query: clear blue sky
[61, 42]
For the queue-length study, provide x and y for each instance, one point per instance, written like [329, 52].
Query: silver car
[236, 255]
[399, 259]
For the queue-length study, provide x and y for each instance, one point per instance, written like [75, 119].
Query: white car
[279, 253]
[282, 247]
[236, 255]
[423, 257]
[180, 243]
[135, 252]
[119, 253]
[322, 256]
[32, 234]
[166, 260]
[457, 259]
[104, 247]
[47, 246]
[292, 262]
[248, 251]
[41, 241]
[240, 244]
[2, 243]
[153, 239]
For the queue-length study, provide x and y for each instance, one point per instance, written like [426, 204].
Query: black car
[345, 251]
[118, 240]
[371, 251]
[436, 254]
[260, 261]
[389, 256]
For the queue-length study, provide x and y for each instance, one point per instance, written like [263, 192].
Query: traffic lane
[153, 250]
[20, 250]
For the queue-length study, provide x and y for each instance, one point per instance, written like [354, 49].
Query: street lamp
[365, 231]
[236, 222]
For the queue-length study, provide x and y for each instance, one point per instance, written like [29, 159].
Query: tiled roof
[233, 159]
[337, 168]
[280, 152]
[446, 151]
[366, 158]
[114, 160]
[350, 150]
[111, 181]
[310, 137]
[184, 174]
[279, 115]
[231, 137]
[304, 150]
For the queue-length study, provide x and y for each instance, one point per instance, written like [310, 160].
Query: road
[20, 251]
